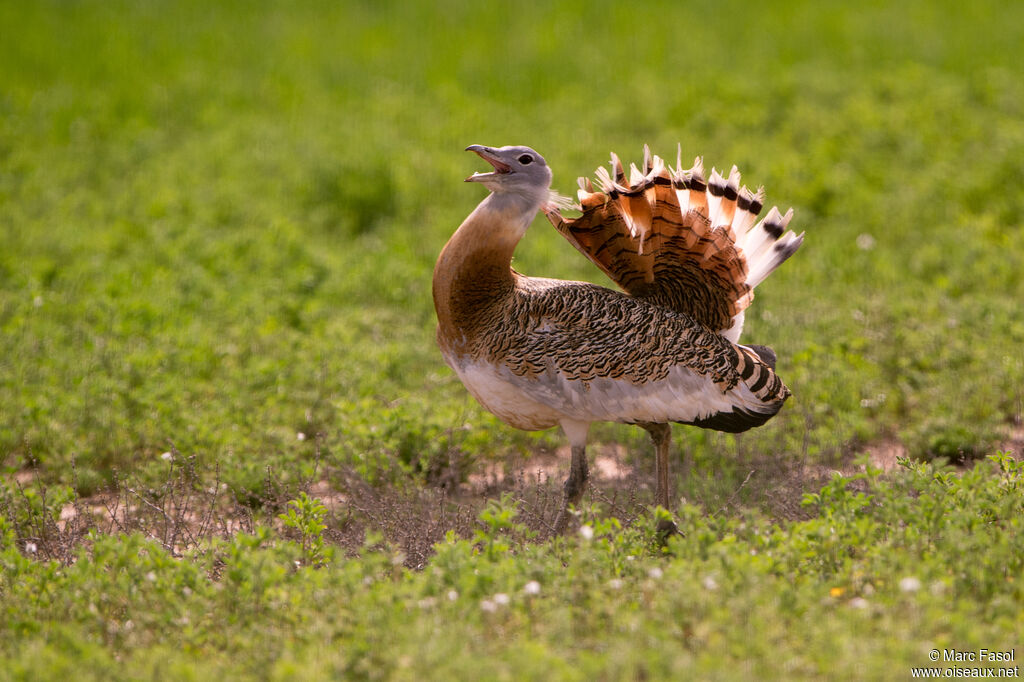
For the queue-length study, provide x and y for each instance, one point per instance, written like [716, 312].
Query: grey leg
[661, 436]
[576, 484]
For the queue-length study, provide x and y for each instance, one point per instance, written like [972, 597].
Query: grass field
[218, 223]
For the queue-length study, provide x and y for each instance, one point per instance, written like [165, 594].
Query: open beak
[488, 155]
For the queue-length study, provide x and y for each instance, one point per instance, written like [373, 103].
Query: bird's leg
[661, 436]
[575, 486]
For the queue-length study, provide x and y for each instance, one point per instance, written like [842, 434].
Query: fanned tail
[678, 238]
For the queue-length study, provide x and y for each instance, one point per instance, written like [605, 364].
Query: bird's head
[518, 172]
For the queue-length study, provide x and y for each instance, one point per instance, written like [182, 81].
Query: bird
[686, 254]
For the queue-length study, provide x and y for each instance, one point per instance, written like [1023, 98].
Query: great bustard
[540, 352]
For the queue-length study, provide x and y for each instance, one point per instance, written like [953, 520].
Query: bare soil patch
[190, 506]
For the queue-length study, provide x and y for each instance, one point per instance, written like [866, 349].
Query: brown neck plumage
[473, 273]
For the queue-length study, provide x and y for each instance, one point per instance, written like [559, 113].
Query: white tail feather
[764, 233]
[635, 176]
[750, 205]
[727, 209]
[715, 194]
[768, 245]
[561, 202]
[657, 166]
[698, 197]
[783, 249]
[605, 180]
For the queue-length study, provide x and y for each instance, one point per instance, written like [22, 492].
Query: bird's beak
[488, 155]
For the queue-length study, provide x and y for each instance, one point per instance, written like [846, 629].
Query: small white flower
[488, 606]
[167, 456]
[31, 547]
[501, 599]
[532, 587]
[452, 595]
[655, 573]
[859, 603]
[587, 532]
[910, 584]
[710, 584]
[151, 577]
[873, 402]
[865, 242]
[300, 435]
[615, 584]
[37, 301]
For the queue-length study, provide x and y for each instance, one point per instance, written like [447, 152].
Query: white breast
[540, 402]
[507, 401]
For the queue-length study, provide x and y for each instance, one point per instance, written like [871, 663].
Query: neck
[473, 272]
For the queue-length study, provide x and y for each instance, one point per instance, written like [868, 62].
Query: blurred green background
[218, 220]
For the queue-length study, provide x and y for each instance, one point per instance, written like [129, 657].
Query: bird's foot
[665, 529]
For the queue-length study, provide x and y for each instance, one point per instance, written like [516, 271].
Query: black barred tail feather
[679, 239]
[756, 368]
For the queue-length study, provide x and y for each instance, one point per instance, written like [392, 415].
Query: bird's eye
[525, 159]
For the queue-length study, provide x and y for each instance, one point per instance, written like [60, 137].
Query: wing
[595, 354]
[678, 240]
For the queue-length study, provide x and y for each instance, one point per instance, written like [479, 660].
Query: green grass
[886, 572]
[218, 223]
